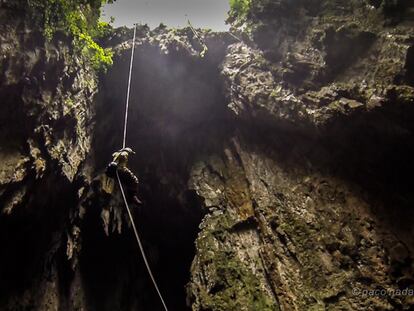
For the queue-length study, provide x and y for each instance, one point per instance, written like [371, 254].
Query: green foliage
[239, 9]
[79, 19]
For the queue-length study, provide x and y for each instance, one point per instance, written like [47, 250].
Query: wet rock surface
[286, 157]
[288, 237]
[45, 115]
[318, 199]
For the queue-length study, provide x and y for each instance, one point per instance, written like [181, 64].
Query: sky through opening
[173, 13]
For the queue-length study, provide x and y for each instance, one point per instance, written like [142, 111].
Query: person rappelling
[118, 167]
[128, 178]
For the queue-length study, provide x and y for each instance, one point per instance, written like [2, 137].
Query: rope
[129, 88]
[235, 37]
[139, 242]
[141, 248]
[205, 48]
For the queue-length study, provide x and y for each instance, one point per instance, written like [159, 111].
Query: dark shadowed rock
[275, 171]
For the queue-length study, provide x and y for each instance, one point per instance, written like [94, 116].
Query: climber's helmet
[121, 157]
[128, 150]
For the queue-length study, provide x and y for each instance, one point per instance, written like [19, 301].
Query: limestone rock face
[282, 237]
[275, 171]
[304, 209]
[47, 94]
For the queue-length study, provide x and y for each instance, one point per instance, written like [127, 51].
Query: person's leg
[130, 182]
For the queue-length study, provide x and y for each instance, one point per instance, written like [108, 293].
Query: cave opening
[177, 116]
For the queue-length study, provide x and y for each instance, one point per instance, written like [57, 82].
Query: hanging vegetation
[79, 19]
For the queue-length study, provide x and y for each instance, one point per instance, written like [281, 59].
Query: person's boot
[137, 201]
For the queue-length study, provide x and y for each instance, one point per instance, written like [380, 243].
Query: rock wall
[47, 93]
[279, 236]
[307, 203]
[285, 153]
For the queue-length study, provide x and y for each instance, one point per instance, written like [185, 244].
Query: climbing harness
[205, 48]
[141, 248]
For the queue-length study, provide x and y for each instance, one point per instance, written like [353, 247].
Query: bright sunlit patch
[173, 13]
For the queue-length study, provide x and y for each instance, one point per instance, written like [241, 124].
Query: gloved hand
[111, 169]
